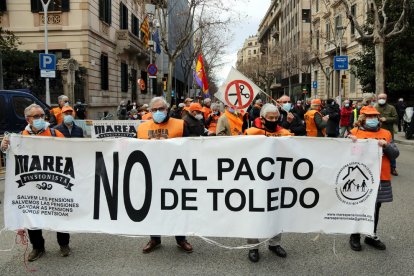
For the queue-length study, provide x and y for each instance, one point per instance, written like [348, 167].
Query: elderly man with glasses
[288, 119]
[162, 126]
[37, 126]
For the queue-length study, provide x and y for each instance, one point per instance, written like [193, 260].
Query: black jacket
[332, 125]
[195, 127]
[296, 126]
[77, 132]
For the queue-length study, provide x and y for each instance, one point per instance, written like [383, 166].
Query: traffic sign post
[341, 63]
[315, 84]
[45, 6]
[152, 70]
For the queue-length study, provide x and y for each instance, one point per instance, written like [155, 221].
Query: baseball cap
[195, 107]
[369, 110]
[316, 102]
[67, 108]
[188, 100]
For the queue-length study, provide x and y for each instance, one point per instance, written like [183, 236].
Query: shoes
[65, 250]
[35, 254]
[394, 172]
[355, 242]
[278, 250]
[375, 242]
[254, 255]
[185, 245]
[151, 245]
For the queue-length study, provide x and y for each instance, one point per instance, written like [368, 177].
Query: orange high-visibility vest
[46, 133]
[311, 128]
[57, 111]
[213, 123]
[170, 129]
[381, 134]
[280, 131]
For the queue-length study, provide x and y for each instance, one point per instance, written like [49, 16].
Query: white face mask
[382, 101]
[199, 116]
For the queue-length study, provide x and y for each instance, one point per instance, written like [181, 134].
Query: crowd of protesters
[371, 117]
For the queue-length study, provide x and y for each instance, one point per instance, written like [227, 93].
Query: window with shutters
[134, 25]
[124, 77]
[123, 19]
[105, 11]
[54, 6]
[104, 72]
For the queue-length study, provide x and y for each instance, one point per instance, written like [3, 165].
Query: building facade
[101, 36]
[249, 52]
[334, 35]
[285, 38]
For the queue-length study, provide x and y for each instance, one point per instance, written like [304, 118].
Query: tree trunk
[1, 72]
[169, 81]
[290, 87]
[379, 67]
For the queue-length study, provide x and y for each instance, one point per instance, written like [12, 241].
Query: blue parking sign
[341, 63]
[47, 61]
[315, 84]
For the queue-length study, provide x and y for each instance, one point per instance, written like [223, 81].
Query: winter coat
[346, 113]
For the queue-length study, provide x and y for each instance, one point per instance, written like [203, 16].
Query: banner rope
[247, 246]
[24, 241]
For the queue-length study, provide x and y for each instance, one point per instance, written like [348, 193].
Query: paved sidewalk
[400, 139]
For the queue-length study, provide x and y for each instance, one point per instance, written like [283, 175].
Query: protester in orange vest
[207, 107]
[37, 126]
[56, 113]
[161, 126]
[230, 123]
[212, 119]
[267, 124]
[145, 114]
[369, 127]
[315, 121]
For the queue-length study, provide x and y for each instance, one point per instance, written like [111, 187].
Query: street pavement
[308, 254]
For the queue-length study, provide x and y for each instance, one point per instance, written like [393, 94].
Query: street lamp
[45, 6]
[150, 10]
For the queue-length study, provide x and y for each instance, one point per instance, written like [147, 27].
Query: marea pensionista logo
[354, 183]
[44, 171]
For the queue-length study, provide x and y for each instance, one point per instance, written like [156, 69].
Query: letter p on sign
[47, 61]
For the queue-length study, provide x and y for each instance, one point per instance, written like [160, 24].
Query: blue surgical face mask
[346, 105]
[287, 106]
[231, 110]
[68, 119]
[372, 123]
[39, 124]
[159, 116]
[372, 103]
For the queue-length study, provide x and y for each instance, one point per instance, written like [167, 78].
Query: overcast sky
[252, 13]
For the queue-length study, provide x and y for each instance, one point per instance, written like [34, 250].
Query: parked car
[12, 106]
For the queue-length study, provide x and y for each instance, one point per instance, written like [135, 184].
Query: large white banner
[251, 186]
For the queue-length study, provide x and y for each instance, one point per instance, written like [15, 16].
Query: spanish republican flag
[200, 75]
[145, 30]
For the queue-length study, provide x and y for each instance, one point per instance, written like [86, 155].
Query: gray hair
[268, 108]
[215, 106]
[28, 109]
[158, 99]
[61, 97]
[207, 100]
[258, 101]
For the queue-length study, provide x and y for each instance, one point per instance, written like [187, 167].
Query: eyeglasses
[162, 109]
[285, 101]
[37, 116]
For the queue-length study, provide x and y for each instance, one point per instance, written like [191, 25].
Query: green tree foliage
[398, 60]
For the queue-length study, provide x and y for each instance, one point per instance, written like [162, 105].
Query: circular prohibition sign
[241, 89]
[152, 69]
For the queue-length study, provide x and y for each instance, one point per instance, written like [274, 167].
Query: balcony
[128, 43]
[331, 49]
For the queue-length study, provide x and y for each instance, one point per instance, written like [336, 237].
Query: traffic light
[164, 81]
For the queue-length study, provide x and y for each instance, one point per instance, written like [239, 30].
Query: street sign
[47, 62]
[341, 63]
[315, 84]
[48, 73]
[239, 94]
[152, 69]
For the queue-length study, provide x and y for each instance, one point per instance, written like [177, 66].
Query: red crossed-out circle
[240, 96]
[152, 69]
